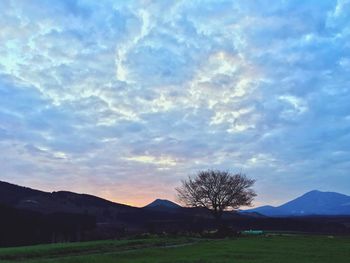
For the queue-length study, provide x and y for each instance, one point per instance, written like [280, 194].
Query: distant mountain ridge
[30, 216]
[163, 205]
[62, 201]
[163, 202]
[312, 203]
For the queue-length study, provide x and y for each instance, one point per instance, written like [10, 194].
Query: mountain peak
[322, 194]
[314, 192]
[311, 203]
[162, 203]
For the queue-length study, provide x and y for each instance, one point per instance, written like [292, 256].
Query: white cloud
[161, 160]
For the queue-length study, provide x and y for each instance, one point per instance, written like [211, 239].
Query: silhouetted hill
[110, 217]
[11, 194]
[30, 216]
[311, 203]
[62, 201]
[163, 205]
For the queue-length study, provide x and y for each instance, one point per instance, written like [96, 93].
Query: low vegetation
[265, 248]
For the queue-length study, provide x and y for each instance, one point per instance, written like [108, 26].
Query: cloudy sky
[123, 99]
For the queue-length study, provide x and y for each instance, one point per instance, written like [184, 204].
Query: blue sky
[123, 99]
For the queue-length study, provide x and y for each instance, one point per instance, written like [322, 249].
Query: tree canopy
[217, 191]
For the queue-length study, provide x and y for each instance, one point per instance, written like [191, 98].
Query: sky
[124, 99]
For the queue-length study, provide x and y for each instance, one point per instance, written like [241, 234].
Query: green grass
[272, 249]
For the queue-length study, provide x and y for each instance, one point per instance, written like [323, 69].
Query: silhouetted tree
[217, 191]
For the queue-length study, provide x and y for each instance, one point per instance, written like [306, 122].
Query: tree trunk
[218, 216]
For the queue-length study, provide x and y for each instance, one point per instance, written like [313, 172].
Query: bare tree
[217, 191]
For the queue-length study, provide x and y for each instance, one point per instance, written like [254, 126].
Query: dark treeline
[237, 223]
[22, 227]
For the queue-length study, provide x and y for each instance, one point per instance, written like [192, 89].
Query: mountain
[67, 202]
[105, 212]
[311, 203]
[30, 216]
[11, 194]
[163, 205]
[259, 211]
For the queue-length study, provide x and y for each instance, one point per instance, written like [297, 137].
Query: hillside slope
[312, 203]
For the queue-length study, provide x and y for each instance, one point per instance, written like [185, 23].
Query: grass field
[270, 249]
